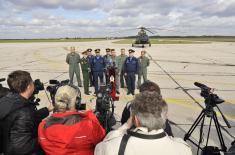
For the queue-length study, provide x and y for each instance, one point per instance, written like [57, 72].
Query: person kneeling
[68, 131]
[147, 136]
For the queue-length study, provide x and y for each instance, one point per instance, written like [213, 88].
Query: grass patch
[49, 40]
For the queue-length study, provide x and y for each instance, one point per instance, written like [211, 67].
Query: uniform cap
[89, 50]
[131, 51]
[97, 50]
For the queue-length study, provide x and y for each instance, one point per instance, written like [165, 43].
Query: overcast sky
[100, 18]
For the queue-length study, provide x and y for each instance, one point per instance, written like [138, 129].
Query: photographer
[143, 133]
[68, 131]
[19, 116]
[147, 86]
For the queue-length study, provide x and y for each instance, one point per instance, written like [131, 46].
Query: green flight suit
[144, 63]
[120, 62]
[85, 65]
[73, 59]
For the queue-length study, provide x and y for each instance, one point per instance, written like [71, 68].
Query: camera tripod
[211, 101]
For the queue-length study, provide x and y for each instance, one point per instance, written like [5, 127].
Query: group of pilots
[95, 67]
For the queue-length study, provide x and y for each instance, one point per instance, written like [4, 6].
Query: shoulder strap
[143, 136]
[123, 144]
[130, 133]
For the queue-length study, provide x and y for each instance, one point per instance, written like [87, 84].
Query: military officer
[98, 66]
[85, 65]
[121, 59]
[131, 67]
[107, 57]
[144, 63]
[90, 57]
[73, 59]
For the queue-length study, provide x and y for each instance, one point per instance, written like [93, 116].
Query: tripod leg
[201, 135]
[195, 124]
[217, 125]
[208, 135]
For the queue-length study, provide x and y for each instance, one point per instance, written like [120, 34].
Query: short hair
[149, 86]
[18, 81]
[143, 51]
[149, 108]
[64, 98]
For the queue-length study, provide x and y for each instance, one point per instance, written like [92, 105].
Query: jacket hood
[10, 103]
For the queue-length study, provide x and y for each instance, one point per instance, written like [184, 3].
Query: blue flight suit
[90, 57]
[98, 65]
[131, 67]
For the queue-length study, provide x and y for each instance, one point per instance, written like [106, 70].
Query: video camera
[105, 107]
[210, 98]
[38, 86]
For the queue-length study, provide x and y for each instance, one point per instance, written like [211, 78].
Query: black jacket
[20, 121]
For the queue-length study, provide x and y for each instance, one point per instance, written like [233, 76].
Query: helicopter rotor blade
[151, 31]
[124, 30]
[166, 29]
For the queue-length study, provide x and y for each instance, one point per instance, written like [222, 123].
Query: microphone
[2, 79]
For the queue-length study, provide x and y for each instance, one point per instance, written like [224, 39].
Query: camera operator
[147, 86]
[19, 116]
[68, 131]
[143, 133]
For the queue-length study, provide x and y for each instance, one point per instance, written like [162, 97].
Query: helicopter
[142, 38]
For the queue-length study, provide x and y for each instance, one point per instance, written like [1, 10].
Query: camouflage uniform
[85, 65]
